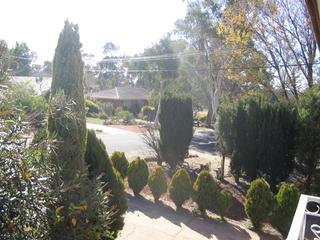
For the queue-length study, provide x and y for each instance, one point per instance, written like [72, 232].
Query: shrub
[138, 174]
[134, 109]
[176, 128]
[205, 191]
[103, 116]
[126, 116]
[148, 113]
[92, 106]
[157, 182]
[202, 117]
[180, 188]
[285, 207]
[120, 163]
[107, 108]
[258, 201]
[153, 98]
[309, 139]
[99, 163]
[259, 136]
[25, 177]
[224, 202]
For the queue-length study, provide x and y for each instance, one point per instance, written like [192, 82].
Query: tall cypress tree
[176, 128]
[81, 209]
[68, 78]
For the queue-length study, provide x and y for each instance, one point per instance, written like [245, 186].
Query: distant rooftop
[122, 93]
[39, 86]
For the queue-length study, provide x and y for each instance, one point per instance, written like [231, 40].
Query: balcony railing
[306, 221]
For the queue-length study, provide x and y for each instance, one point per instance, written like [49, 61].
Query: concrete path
[106, 129]
[146, 220]
[121, 140]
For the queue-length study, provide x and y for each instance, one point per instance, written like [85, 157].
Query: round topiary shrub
[205, 191]
[287, 200]
[120, 163]
[138, 174]
[180, 188]
[157, 183]
[224, 202]
[258, 201]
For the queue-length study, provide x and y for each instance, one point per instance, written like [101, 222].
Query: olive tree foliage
[281, 31]
[25, 176]
[176, 128]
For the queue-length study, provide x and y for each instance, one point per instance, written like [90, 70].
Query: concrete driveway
[121, 140]
[145, 220]
[131, 143]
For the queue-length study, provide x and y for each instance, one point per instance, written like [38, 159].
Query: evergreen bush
[91, 106]
[224, 202]
[308, 154]
[79, 210]
[287, 200]
[205, 191]
[180, 188]
[99, 164]
[125, 116]
[258, 202]
[148, 113]
[138, 174]
[120, 163]
[157, 182]
[260, 138]
[176, 128]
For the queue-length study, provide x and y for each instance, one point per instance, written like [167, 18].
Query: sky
[133, 25]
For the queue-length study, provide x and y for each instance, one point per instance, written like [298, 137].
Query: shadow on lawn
[205, 226]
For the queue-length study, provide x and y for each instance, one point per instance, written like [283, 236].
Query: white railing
[300, 226]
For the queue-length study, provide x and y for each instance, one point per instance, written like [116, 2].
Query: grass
[95, 120]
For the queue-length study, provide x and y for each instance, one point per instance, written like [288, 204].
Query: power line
[201, 69]
[168, 56]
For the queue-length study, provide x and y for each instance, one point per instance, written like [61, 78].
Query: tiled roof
[122, 93]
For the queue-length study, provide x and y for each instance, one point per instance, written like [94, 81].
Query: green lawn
[94, 120]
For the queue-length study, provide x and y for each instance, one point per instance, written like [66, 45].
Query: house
[128, 98]
[40, 84]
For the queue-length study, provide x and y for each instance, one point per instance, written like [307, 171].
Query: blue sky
[131, 24]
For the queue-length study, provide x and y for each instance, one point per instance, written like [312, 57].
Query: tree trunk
[209, 115]
[222, 166]
[156, 119]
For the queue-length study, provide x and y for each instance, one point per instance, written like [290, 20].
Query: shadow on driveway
[205, 227]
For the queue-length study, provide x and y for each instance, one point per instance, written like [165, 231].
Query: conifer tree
[81, 210]
[176, 128]
[67, 78]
